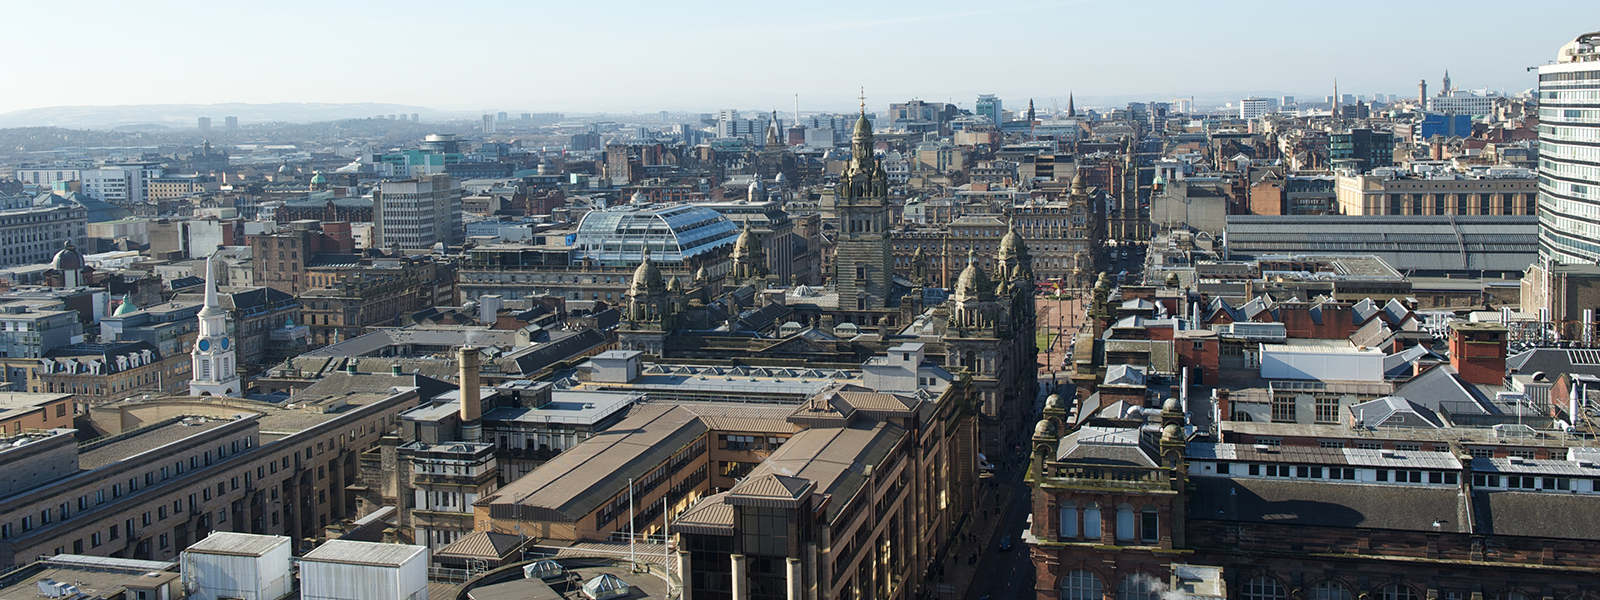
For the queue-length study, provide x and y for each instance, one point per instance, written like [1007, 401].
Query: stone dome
[1052, 402]
[646, 278]
[781, 179]
[746, 243]
[863, 126]
[973, 283]
[68, 259]
[1011, 245]
[757, 191]
[1171, 405]
[1171, 433]
[1043, 429]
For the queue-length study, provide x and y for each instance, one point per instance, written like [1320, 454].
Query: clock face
[224, 343]
[205, 345]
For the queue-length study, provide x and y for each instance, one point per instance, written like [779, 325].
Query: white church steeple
[214, 370]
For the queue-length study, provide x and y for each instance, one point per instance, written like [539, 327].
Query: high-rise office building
[1250, 108]
[205, 124]
[989, 106]
[1558, 285]
[418, 213]
[488, 123]
[230, 123]
[1569, 183]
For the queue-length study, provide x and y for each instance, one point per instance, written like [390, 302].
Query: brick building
[279, 258]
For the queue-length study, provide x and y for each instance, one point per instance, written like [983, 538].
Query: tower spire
[1071, 110]
[210, 306]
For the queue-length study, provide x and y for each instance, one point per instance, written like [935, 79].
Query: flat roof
[568, 406]
[13, 404]
[237, 544]
[364, 553]
[144, 440]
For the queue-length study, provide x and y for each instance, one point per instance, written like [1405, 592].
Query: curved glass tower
[1569, 155]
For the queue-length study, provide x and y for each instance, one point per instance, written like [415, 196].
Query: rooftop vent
[1387, 453]
[1516, 460]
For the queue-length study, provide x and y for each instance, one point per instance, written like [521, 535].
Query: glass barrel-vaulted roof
[674, 233]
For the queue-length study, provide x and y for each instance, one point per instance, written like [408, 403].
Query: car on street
[1005, 543]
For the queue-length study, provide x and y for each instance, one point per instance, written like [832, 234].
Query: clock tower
[214, 371]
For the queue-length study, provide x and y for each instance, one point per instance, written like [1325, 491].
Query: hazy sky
[613, 55]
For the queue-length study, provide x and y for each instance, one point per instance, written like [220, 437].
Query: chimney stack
[1478, 352]
[471, 405]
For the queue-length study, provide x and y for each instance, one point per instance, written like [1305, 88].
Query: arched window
[1091, 521]
[1125, 522]
[1262, 588]
[1396, 591]
[1138, 586]
[1329, 590]
[1081, 585]
[1069, 520]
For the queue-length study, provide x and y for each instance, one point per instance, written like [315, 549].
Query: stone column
[741, 587]
[796, 582]
[683, 575]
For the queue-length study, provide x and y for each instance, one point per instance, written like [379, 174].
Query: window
[1138, 586]
[164, 541]
[1395, 591]
[1405, 447]
[1091, 521]
[1329, 590]
[1262, 588]
[94, 540]
[1369, 445]
[1069, 520]
[1149, 525]
[1081, 585]
[1125, 522]
[1282, 409]
[1327, 409]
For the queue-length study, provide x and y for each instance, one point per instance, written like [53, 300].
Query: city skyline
[729, 55]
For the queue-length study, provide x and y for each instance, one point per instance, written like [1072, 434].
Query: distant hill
[184, 116]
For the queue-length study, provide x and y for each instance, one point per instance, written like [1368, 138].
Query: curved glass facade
[1569, 161]
[674, 233]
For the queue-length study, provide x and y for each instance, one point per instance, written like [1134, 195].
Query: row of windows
[1570, 95]
[1130, 525]
[1338, 473]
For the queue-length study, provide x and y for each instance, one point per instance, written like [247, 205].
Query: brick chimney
[1478, 352]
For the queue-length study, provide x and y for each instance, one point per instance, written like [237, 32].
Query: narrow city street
[1005, 574]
